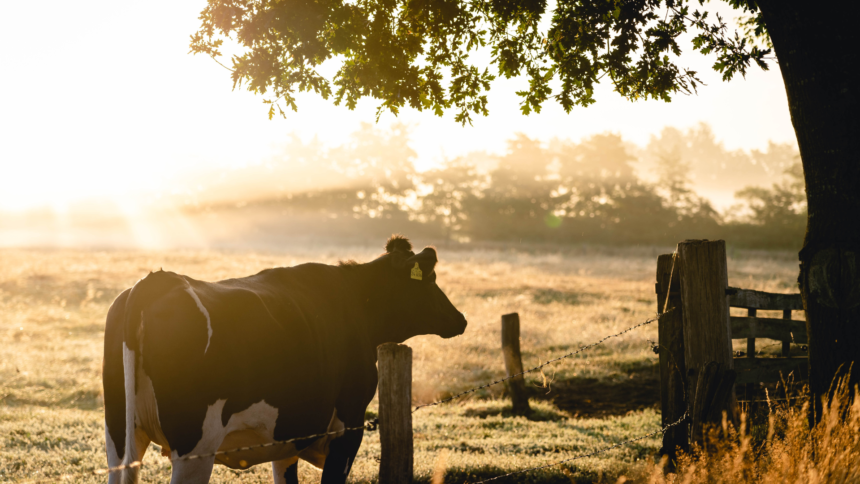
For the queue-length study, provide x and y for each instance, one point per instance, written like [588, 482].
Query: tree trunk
[817, 47]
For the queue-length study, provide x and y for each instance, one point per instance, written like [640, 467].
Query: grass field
[53, 304]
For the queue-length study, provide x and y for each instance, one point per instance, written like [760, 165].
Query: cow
[200, 367]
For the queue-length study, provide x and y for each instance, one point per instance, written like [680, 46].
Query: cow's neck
[371, 283]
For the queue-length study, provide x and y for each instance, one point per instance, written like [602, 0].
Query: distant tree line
[560, 192]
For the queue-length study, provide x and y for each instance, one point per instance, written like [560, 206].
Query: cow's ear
[423, 264]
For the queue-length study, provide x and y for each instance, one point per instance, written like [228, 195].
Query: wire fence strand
[369, 425]
[542, 365]
[373, 424]
[589, 454]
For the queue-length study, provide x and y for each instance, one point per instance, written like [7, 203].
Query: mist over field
[599, 189]
[609, 194]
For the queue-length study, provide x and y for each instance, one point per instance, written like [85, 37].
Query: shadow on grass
[548, 296]
[592, 397]
[550, 475]
[542, 296]
[540, 414]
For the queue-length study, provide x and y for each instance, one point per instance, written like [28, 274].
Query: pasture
[53, 304]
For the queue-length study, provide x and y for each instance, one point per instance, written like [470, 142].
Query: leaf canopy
[422, 53]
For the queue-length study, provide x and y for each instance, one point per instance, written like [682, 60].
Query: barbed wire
[369, 425]
[373, 424]
[589, 454]
[542, 365]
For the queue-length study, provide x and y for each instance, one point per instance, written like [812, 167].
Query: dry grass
[52, 307]
[790, 453]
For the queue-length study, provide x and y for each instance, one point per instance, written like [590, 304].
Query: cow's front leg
[286, 471]
[341, 456]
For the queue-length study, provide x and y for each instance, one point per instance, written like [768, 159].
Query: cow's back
[281, 337]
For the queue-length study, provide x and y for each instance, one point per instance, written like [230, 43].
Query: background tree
[783, 206]
[518, 192]
[713, 169]
[417, 53]
[674, 183]
[557, 192]
[522, 171]
[598, 188]
[454, 187]
[381, 166]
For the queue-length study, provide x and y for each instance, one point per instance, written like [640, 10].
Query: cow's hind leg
[286, 471]
[341, 456]
[192, 471]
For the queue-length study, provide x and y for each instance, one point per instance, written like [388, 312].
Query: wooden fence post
[707, 332]
[514, 363]
[713, 391]
[673, 369]
[395, 413]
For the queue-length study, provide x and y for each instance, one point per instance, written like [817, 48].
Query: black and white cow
[198, 367]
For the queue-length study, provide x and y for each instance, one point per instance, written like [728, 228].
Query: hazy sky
[102, 99]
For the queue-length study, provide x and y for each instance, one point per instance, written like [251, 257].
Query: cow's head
[415, 302]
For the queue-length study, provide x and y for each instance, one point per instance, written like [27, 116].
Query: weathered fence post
[395, 413]
[707, 332]
[713, 390]
[673, 369]
[514, 363]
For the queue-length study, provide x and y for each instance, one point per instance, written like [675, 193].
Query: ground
[53, 304]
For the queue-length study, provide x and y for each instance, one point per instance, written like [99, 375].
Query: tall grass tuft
[790, 452]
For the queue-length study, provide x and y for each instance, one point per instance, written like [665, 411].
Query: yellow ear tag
[416, 272]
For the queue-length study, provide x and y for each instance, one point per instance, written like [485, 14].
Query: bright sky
[101, 99]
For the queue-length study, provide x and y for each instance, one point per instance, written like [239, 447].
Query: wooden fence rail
[697, 369]
[778, 329]
[747, 298]
[786, 330]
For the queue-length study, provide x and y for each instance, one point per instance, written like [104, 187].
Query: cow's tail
[130, 464]
[147, 290]
[114, 386]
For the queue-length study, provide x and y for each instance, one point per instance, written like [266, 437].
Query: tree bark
[817, 48]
